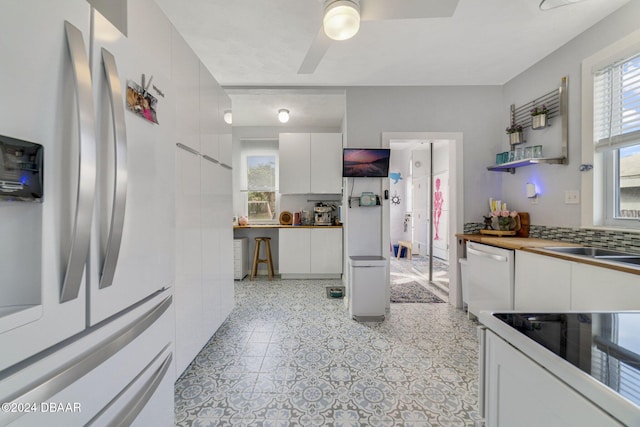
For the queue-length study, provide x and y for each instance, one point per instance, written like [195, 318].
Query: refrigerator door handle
[136, 404]
[81, 233]
[56, 381]
[118, 205]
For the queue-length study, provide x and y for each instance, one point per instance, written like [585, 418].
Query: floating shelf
[511, 166]
[556, 101]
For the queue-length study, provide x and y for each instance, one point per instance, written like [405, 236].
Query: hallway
[288, 355]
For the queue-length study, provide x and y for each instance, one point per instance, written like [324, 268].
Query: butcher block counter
[537, 246]
[513, 242]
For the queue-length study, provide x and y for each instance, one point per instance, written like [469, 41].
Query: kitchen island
[560, 369]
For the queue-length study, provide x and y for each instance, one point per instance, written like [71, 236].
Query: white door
[420, 218]
[38, 104]
[144, 260]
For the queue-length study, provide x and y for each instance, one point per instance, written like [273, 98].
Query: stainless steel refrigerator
[87, 270]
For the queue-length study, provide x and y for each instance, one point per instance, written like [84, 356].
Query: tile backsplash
[611, 239]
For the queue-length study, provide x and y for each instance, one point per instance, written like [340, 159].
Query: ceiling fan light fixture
[341, 19]
[552, 4]
[283, 115]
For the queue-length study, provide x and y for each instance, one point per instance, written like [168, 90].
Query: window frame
[255, 148]
[597, 197]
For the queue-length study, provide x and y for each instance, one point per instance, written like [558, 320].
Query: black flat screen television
[365, 162]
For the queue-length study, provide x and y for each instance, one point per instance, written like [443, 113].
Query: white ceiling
[256, 44]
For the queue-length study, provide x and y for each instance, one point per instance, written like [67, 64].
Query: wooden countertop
[513, 242]
[536, 246]
[241, 227]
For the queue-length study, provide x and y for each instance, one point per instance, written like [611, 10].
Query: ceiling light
[341, 19]
[283, 115]
[551, 4]
[228, 117]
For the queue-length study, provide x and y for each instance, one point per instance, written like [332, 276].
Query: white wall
[473, 110]
[399, 163]
[553, 180]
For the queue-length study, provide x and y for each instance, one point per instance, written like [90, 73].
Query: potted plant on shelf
[515, 134]
[539, 117]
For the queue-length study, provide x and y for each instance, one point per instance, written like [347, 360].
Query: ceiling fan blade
[376, 10]
[315, 53]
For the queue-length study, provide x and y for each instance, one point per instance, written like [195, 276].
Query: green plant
[514, 128]
[536, 111]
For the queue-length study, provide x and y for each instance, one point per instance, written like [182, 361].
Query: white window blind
[617, 105]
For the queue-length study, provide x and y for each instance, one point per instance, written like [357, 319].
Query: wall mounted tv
[365, 162]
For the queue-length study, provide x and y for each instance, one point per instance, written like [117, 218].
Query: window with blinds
[617, 135]
[617, 104]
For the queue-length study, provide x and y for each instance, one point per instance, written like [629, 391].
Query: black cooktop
[604, 345]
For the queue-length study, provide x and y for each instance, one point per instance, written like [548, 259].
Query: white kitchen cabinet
[547, 283]
[294, 250]
[541, 282]
[310, 253]
[188, 288]
[185, 70]
[294, 153]
[326, 163]
[204, 287]
[326, 251]
[240, 258]
[519, 392]
[208, 112]
[598, 288]
[310, 163]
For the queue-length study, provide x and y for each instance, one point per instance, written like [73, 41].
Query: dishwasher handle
[494, 257]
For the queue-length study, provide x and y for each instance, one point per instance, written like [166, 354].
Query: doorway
[424, 210]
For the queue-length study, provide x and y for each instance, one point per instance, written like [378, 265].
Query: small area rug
[412, 292]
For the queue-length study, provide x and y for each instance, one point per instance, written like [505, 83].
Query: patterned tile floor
[289, 356]
[404, 270]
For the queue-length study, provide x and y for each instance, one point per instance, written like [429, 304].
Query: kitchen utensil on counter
[297, 218]
[305, 218]
[524, 224]
[286, 218]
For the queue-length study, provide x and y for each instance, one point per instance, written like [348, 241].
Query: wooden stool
[405, 244]
[257, 260]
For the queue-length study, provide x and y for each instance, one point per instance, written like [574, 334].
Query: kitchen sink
[635, 260]
[593, 252]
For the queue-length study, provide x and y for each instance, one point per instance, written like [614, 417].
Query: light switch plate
[572, 197]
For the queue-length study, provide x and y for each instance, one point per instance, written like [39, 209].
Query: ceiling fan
[342, 20]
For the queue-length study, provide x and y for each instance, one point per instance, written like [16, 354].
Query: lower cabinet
[597, 288]
[519, 392]
[541, 283]
[546, 283]
[240, 258]
[310, 253]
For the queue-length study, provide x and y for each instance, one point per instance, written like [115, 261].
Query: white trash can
[368, 288]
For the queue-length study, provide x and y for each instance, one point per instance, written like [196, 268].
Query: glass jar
[528, 152]
[519, 153]
[537, 151]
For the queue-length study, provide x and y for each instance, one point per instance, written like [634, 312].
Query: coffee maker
[322, 214]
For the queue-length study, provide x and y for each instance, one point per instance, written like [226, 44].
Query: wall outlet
[534, 200]
[572, 197]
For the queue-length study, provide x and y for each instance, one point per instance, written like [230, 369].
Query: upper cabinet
[310, 163]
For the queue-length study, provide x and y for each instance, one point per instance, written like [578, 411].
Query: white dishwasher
[491, 278]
